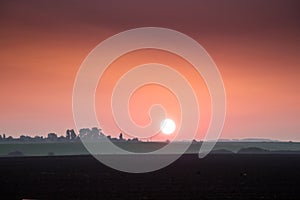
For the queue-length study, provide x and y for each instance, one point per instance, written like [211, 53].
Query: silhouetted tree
[93, 134]
[52, 137]
[101, 133]
[22, 137]
[84, 133]
[38, 138]
[68, 135]
[25, 138]
[73, 134]
[61, 138]
[10, 138]
[121, 136]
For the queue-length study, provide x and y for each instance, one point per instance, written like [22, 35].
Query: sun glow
[167, 126]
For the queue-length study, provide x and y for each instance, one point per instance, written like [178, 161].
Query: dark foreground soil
[214, 177]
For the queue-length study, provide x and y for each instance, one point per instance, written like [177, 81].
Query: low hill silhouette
[222, 151]
[253, 150]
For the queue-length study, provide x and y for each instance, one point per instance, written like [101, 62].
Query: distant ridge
[258, 140]
[249, 140]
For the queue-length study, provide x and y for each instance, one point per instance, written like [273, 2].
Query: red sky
[255, 44]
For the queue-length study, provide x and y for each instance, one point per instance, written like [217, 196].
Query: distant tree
[121, 136]
[52, 137]
[72, 134]
[25, 138]
[22, 137]
[38, 138]
[0, 137]
[95, 133]
[4, 136]
[61, 138]
[10, 138]
[68, 135]
[101, 133]
[84, 133]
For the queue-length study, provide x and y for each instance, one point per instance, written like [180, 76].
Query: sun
[167, 126]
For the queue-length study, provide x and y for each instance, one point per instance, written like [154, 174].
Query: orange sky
[255, 44]
[151, 94]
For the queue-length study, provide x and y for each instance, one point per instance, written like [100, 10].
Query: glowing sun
[167, 126]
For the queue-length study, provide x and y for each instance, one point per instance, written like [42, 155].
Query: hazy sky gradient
[255, 44]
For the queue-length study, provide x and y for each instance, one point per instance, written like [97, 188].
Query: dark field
[214, 177]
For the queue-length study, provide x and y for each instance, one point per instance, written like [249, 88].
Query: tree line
[93, 134]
